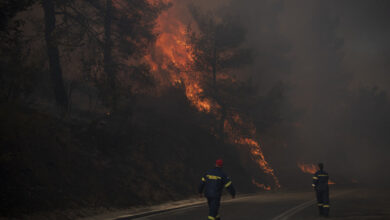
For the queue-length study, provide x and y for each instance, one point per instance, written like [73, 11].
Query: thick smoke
[333, 59]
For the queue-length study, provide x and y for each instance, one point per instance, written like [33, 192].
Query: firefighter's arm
[230, 188]
[201, 185]
[315, 180]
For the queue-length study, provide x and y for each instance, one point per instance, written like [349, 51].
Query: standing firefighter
[320, 184]
[213, 183]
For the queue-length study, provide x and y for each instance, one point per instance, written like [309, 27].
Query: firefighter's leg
[326, 203]
[209, 202]
[218, 204]
[213, 211]
[320, 202]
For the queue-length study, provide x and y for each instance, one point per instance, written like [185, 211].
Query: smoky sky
[333, 57]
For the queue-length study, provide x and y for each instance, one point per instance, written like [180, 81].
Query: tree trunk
[108, 64]
[214, 66]
[222, 122]
[54, 55]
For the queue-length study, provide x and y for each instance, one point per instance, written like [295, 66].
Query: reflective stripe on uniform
[313, 185]
[203, 179]
[228, 184]
[326, 206]
[212, 177]
[314, 177]
[320, 204]
[211, 218]
[322, 175]
[218, 217]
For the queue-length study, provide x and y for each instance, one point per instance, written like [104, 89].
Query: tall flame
[173, 55]
[260, 185]
[258, 156]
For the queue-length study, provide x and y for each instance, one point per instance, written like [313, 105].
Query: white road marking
[287, 214]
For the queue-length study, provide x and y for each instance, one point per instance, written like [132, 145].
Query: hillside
[112, 161]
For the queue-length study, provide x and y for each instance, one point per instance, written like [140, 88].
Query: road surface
[345, 204]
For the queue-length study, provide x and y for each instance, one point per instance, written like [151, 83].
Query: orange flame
[260, 185]
[308, 168]
[312, 169]
[173, 55]
[258, 156]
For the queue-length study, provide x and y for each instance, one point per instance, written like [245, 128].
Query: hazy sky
[324, 51]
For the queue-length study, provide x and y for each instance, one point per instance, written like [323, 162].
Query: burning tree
[218, 53]
[204, 58]
[108, 40]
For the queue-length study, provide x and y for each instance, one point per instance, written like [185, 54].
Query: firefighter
[213, 183]
[320, 185]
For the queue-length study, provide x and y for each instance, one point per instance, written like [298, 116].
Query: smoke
[331, 46]
[333, 57]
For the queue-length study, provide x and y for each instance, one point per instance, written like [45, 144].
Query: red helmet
[219, 163]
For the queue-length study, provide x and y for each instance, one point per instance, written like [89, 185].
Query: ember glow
[172, 58]
[312, 169]
[308, 168]
[260, 185]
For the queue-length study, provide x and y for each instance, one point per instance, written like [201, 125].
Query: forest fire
[258, 156]
[172, 58]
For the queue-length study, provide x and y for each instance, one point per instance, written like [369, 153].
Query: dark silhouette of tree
[54, 54]
[9, 8]
[107, 53]
[218, 48]
[127, 32]
[17, 79]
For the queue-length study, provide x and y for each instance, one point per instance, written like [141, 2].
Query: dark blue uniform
[320, 184]
[213, 183]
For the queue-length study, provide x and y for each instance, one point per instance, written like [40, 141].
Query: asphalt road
[345, 204]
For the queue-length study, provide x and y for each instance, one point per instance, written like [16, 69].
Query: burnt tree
[107, 51]
[54, 54]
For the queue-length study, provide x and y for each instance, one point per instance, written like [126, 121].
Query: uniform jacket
[320, 180]
[213, 183]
